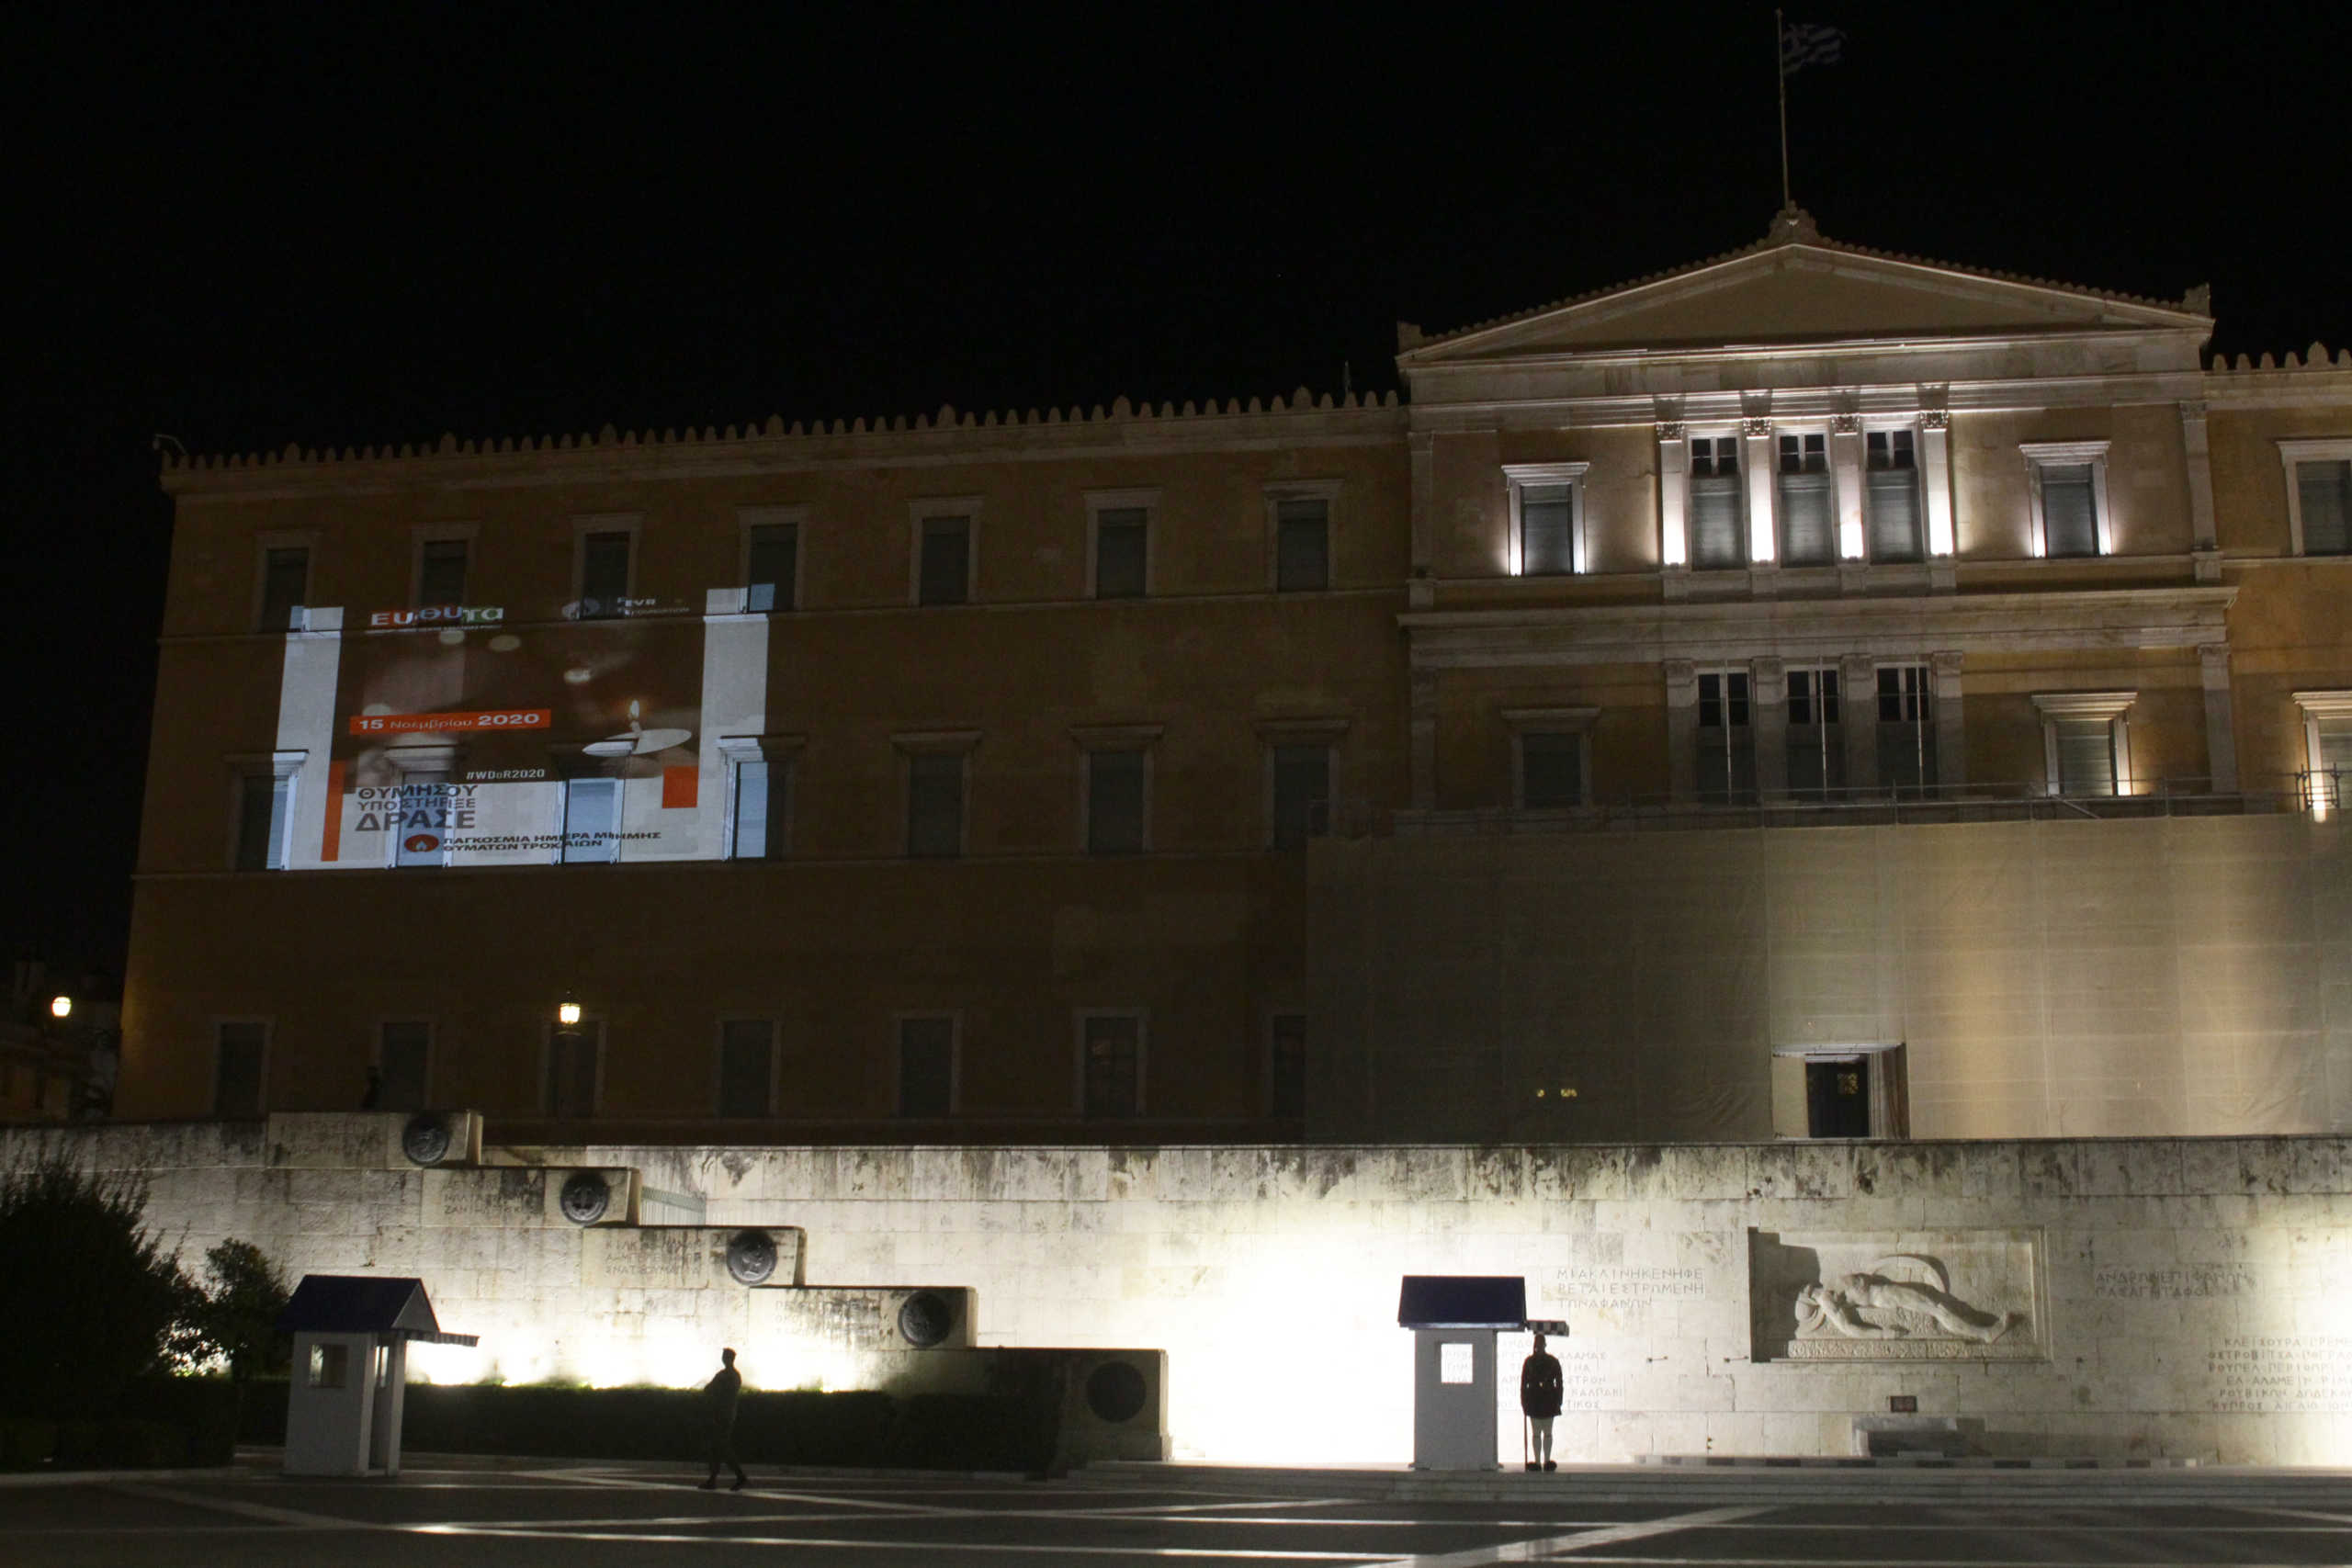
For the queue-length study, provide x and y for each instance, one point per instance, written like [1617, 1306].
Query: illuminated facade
[1008, 778]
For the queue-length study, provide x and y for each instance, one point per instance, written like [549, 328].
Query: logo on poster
[420, 844]
[437, 616]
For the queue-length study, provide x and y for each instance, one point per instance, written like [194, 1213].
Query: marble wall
[2181, 1297]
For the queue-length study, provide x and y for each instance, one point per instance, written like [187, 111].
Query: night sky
[347, 226]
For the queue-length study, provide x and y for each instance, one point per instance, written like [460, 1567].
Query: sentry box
[351, 1337]
[1454, 1319]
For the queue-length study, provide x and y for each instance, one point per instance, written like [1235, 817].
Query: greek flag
[1809, 43]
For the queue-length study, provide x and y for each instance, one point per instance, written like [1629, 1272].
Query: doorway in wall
[1840, 1091]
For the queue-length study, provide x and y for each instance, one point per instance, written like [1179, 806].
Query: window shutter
[591, 813]
[1894, 499]
[744, 1050]
[402, 1059]
[935, 805]
[752, 809]
[774, 547]
[1808, 528]
[236, 1083]
[946, 575]
[926, 1067]
[1114, 802]
[1302, 547]
[1552, 771]
[1119, 553]
[1548, 540]
[1717, 529]
[2326, 490]
[2069, 514]
[2086, 757]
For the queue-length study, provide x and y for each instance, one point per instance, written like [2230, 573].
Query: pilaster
[1755, 442]
[1846, 476]
[1673, 494]
[1681, 729]
[2196, 455]
[1935, 474]
[1951, 728]
[2221, 721]
[1769, 721]
[1422, 719]
[1857, 719]
[1423, 449]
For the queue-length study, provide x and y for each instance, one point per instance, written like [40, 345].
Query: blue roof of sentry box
[1462, 1301]
[396, 1308]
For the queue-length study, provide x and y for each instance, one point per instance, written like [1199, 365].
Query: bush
[89, 1298]
[203, 1410]
[237, 1318]
[970, 1431]
[120, 1444]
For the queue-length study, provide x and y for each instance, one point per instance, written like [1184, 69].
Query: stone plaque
[2289, 1373]
[1897, 1296]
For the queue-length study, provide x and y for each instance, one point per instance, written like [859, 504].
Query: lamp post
[61, 1007]
[563, 1090]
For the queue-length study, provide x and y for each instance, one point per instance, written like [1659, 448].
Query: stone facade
[945, 781]
[2108, 1297]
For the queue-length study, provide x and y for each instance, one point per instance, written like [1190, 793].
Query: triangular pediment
[1801, 293]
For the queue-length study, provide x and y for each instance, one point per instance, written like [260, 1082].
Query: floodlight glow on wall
[61, 1007]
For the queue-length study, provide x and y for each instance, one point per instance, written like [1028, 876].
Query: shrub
[89, 1297]
[237, 1318]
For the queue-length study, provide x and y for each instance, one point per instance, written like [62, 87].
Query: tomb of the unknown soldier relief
[1794, 806]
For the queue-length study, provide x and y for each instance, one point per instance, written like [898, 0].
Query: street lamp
[567, 1013]
[61, 1007]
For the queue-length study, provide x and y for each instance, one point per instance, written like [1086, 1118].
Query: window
[1718, 520]
[284, 586]
[2327, 749]
[1891, 509]
[927, 1066]
[403, 1054]
[1121, 543]
[441, 571]
[1116, 783]
[2086, 747]
[238, 1067]
[1286, 1067]
[1546, 518]
[330, 1365]
[2066, 483]
[2318, 496]
[1302, 792]
[758, 808]
[605, 555]
[1726, 751]
[575, 1062]
[935, 805]
[1551, 757]
[592, 814]
[423, 836]
[1906, 727]
[1816, 737]
[1808, 507]
[1111, 1063]
[746, 1066]
[771, 567]
[264, 814]
[1302, 544]
[943, 560]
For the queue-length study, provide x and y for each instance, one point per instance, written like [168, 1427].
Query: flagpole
[1780, 63]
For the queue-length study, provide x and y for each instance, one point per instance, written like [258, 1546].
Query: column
[2196, 453]
[1681, 729]
[1935, 473]
[1674, 505]
[1857, 719]
[2221, 723]
[1422, 447]
[1951, 731]
[1756, 471]
[1423, 721]
[1768, 727]
[1846, 476]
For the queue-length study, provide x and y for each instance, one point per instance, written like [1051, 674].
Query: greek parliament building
[1794, 806]
[1811, 692]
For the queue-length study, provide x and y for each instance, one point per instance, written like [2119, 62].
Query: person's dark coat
[1539, 1385]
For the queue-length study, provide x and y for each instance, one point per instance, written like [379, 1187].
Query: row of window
[1116, 805]
[2068, 486]
[748, 1071]
[942, 566]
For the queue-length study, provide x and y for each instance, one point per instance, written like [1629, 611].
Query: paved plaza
[520, 1514]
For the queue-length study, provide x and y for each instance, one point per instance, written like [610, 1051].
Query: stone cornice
[1814, 404]
[2118, 619]
[948, 438]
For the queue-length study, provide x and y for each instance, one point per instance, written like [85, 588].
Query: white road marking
[1548, 1546]
[261, 1511]
[647, 1538]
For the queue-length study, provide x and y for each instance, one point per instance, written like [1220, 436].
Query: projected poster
[476, 743]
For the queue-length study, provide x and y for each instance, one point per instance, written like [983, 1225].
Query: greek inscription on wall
[2289, 1373]
[2193, 1280]
[1599, 1284]
[1590, 1382]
